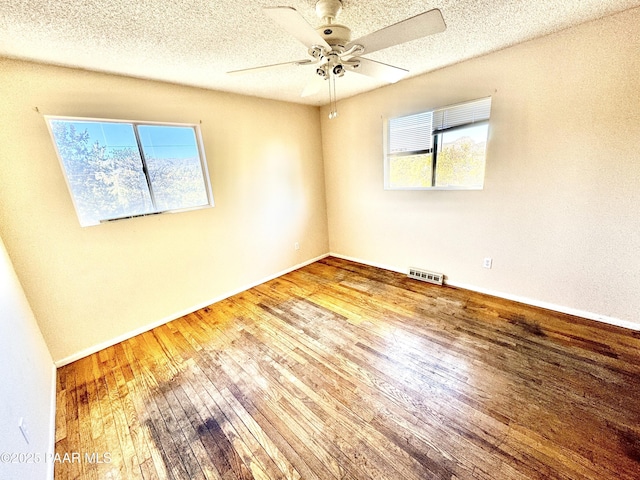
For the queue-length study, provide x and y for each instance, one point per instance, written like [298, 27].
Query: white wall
[559, 213]
[28, 383]
[88, 286]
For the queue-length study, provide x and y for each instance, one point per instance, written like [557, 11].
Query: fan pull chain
[333, 102]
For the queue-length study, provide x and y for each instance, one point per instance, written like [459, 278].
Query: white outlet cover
[487, 262]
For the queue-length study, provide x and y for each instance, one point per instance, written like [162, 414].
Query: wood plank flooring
[344, 371]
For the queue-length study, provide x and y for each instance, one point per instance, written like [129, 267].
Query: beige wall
[91, 285]
[560, 210]
[28, 382]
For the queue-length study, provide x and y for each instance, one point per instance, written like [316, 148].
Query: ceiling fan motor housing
[335, 35]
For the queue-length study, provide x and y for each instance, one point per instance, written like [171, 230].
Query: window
[441, 149]
[118, 169]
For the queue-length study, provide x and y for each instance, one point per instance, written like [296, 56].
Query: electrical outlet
[487, 262]
[296, 246]
[22, 425]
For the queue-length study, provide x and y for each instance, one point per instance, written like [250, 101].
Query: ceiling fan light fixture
[332, 50]
[323, 72]
[316, 52]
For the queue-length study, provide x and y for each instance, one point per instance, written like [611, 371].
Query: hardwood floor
[344, 371]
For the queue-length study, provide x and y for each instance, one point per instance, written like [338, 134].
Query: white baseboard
[51, 448]
[101, 346]
[618, 322]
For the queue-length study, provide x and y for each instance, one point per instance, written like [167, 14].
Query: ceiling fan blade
[379, 70]
[294, 23]
[267, 67]
[421, 25]
[313, 87]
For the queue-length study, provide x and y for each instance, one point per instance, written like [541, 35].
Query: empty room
[320, 239]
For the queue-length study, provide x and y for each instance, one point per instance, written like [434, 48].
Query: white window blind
[462, 114]
[411, 133]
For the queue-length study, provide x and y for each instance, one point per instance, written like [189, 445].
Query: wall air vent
[426, 276]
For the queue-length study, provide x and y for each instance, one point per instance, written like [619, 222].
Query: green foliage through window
[122, 169]
[461, 157]
[410, 171]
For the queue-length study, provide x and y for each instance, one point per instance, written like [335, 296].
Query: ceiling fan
[332, 51]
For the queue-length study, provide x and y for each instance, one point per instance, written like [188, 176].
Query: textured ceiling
[195, 42]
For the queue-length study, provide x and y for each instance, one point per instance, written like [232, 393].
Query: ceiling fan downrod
[328, 10]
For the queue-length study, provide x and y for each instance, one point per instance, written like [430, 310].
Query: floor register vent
[426, 276]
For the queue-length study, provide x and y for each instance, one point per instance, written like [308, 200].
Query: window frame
[436, 138]
[199, 144]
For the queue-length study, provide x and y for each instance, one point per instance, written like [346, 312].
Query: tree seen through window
[116, 169]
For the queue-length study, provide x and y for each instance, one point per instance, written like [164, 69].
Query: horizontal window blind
[411, 133]
[462, 114]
